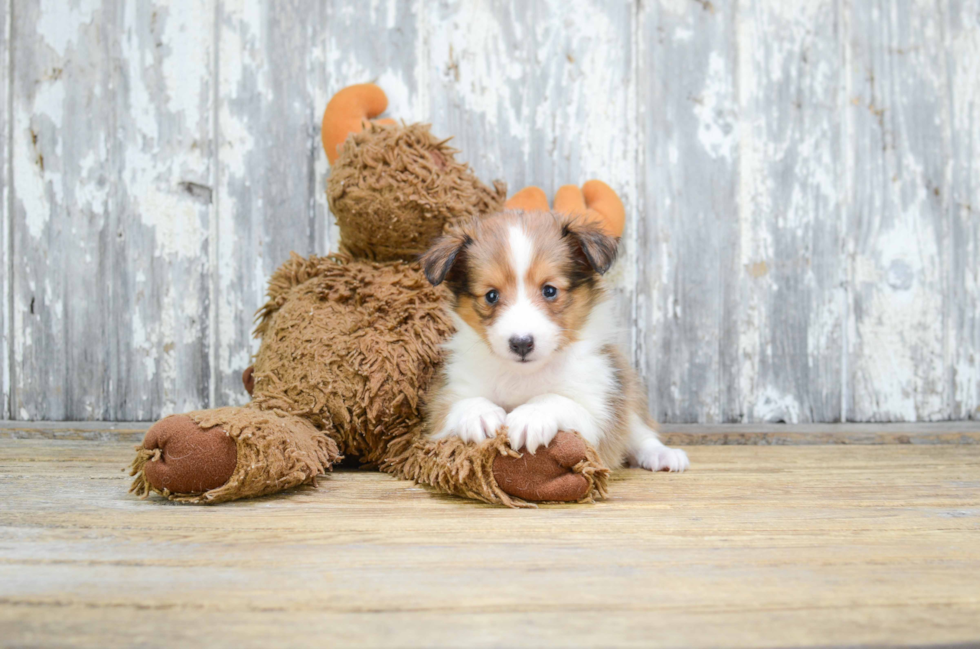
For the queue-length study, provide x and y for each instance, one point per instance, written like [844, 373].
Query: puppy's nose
[522, 345]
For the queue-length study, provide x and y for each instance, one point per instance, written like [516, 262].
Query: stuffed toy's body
[351, 341]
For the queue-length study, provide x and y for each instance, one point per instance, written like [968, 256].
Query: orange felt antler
[596, 201]
[346, 113]
[529, 199]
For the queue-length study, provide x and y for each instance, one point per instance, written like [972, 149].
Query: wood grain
[800, 178]
[789, 217]
[266, 122]
[111, 133]
[755, 546]
[962, 34]
[898, 238]
[687, 272]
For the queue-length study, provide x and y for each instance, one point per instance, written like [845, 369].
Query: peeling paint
[789, 255]
[769, 405]
[32, 189]
[714, 108]
[58, 18]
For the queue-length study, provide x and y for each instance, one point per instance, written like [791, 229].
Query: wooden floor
[755, 546]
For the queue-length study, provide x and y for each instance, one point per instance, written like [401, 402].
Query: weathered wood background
[802, 180]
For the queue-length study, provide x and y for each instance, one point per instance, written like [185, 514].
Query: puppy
[533, 349]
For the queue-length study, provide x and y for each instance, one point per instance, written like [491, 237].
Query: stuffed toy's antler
[595, 201]
[529, 199]
[347, 113]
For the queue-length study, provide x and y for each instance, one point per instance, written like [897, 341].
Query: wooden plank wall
[801, 178]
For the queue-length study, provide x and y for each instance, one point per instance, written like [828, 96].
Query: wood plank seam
[846, 192]
[7, 221]
[215, 212]
[637, 338]
[937, 433]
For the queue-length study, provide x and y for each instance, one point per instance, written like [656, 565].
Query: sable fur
[533, 353]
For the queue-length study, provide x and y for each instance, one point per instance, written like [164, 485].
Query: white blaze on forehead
[522, 316]
[521, 253]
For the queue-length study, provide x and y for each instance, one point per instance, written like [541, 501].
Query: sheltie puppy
[534, 349]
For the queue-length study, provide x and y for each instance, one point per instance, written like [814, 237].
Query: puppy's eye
[549, 292]
[491, 297]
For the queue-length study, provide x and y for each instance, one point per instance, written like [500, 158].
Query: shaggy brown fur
[394, 190]
[275, 452]
[352, 348]
[351, 341]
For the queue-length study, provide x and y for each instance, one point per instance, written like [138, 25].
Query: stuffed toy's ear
[595, 248]
[596, 202]
[440, 258]
[347, 112]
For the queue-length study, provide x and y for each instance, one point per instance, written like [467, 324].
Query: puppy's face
[525, 282]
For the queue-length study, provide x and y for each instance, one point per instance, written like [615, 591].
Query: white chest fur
[580, 372]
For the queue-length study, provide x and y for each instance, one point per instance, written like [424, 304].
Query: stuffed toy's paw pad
[548, 474]
[188, 459]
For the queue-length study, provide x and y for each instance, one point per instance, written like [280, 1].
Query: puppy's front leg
[538, 421]
[472, 420]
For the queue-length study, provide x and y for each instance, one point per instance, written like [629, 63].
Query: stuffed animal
[350, 341]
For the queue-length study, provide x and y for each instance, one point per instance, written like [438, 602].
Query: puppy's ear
[443, 255]
[590, 244]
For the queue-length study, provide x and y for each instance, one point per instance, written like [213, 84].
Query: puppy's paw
[473, 420]
[531, 425]
[657, 457]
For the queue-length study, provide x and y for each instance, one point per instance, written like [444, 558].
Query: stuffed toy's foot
[565, 471]
[187, 459]
[212, 456]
